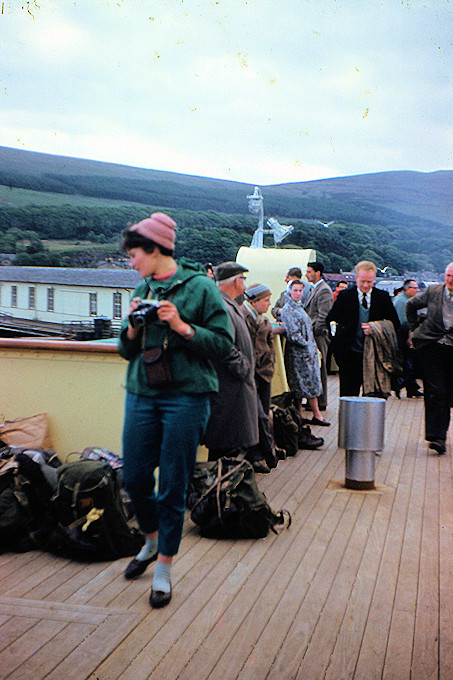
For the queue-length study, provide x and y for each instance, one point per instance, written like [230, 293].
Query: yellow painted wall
[82, 392]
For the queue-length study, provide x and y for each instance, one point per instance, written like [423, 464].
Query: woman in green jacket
[167, 401]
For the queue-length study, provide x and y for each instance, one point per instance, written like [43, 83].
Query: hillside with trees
[403, 220]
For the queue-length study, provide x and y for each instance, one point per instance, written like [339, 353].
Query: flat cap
[227, 270]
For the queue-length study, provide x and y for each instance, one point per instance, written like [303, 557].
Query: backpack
[92, 523]
[225, 501]
[25, 507]
[285, 430]
[290, 431]
[116, 463]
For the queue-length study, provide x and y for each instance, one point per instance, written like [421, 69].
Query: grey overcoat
[234, 409]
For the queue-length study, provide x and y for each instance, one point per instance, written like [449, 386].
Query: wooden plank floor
[360, 586]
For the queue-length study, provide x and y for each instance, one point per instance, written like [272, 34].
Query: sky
[256, 91]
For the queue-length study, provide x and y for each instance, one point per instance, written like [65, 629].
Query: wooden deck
[360, 586]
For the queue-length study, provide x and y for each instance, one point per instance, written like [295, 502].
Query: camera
[145, 312]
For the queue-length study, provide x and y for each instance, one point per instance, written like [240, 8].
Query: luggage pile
[75, 510]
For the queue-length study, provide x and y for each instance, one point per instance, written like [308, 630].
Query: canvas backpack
[92, 523]
[225, 501]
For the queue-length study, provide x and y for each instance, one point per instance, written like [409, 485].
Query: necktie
[364, 302]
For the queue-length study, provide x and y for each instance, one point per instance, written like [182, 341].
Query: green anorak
[199, 304]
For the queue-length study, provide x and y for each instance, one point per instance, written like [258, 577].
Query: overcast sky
[259, 91]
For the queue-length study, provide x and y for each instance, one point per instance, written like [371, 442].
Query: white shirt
[367, 295]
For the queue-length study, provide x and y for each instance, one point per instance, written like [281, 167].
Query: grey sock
[148, 550]
[161, 578]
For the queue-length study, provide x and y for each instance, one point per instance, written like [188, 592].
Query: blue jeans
[163, 431]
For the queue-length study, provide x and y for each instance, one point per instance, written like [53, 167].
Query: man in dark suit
[318, 305]
[352, 311]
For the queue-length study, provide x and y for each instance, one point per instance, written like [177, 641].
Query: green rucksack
[92, 523]
[225, 501]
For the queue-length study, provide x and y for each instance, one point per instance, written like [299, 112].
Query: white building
[60, 295]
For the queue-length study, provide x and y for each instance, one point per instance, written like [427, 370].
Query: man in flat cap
[233, 425]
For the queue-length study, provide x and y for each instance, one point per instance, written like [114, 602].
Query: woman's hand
[133, 332]
[167, 311]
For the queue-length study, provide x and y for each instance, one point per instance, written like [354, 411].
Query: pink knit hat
[159, 228]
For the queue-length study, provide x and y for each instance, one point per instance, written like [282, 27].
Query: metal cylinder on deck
[361, 433]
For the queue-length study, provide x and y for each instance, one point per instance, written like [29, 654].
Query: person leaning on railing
[168, 398]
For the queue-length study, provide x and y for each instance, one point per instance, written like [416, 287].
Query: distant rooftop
[102, 278]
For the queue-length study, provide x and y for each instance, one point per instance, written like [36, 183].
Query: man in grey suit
[318, 305]
[433, 340]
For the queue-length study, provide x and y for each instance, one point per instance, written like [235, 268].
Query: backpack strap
[216, 485]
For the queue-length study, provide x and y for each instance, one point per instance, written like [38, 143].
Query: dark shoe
[261, 466]
[280, 453]
[316, 421]
[438, 445]
[159, 599]
[414, 395]
[307, 440]
[136, 567]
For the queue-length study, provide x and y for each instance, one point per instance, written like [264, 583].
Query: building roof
[102, 278]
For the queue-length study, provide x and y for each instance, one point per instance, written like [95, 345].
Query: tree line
[208, 235]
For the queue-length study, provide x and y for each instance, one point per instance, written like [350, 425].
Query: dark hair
[132, 239]
[407, 282]
[295, 271]
[292, 283]
[342, 281]
[316, 266]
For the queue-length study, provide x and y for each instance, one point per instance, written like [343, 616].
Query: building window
[93, 304]
[50, 299]
[117, 314]
[31, 298]
[13, 296]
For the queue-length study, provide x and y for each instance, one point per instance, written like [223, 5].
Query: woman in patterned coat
[301, 353]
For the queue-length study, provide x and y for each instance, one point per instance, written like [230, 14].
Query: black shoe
[280, 453]
[136, 567]
[414, 395]
[307, 440]
[316, 421]
[438, 445]
[261, 466]
[159, 599]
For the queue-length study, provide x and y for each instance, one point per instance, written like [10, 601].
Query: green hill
[399, 219]
[385, 198]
